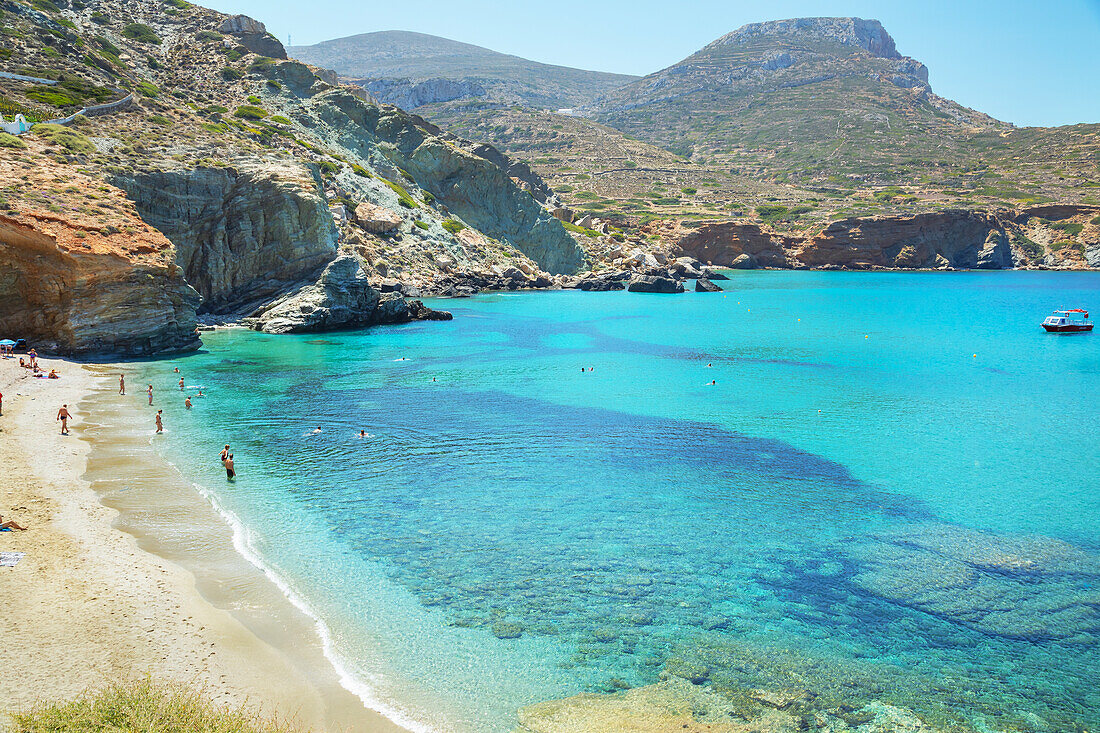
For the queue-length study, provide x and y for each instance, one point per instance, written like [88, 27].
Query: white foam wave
[245, 546]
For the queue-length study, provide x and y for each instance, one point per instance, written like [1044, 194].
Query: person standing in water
[225, 453]
[181, 384]
[63, 415]
[230, 474]
[187, 402]
[122, 384]
[150, 391]
[160, 424]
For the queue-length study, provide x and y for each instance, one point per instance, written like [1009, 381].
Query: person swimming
[315, 431]
[362, 433]
[200, 394]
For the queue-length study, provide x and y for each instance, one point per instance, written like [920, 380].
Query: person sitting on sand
[11, 524]
[160, 423]
[122, 384]
[187, 402]
[230, 473]
[63, 415]
[53, 374]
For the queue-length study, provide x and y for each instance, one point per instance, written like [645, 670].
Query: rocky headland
[234, 176]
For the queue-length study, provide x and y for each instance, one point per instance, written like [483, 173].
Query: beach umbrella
[7, 342]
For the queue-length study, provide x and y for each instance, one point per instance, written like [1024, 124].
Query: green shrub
[153, 63]
[46, 5]
[406, 175]
[253, 99]
[214, 109]
[580, 230]
[107, 46]
[280, 119]
[453, 226]
[10, 141]
[772, 213]
[142, 706]
[1032, 249]
[141, 33]
[428, 197]
[328, 168]
[360, 171]
[160, 120]
[231, 74]
[689, 191]
[64, 137]
[181, 4]
[209, 36]
[564, 189]
[1071, 228]
[261, 64]
[146, 89]
[100, 18]
[421, 225]
[403, 196]
[235, 54]
[274, 85]
[250, 112]
[1095, 221]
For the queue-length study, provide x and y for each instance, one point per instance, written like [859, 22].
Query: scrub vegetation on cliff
[821, 115]
[257, 169]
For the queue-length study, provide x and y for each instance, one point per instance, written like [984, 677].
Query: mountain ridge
[390, 63]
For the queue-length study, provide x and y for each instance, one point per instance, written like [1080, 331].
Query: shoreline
[100, 597]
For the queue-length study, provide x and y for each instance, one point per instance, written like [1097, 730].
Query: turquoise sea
[891, 492]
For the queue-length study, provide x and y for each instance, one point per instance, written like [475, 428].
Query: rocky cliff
[242, 233]
[88, 278]
[1066, 237]
[478, 191]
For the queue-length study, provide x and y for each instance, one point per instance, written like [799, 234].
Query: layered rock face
[121, 294]
[958, 239]
[867, 35]
[341, 298]
[470, 186]
[242, 233]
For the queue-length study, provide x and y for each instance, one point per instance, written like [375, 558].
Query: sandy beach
[91, 603]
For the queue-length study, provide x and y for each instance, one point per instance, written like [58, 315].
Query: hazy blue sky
[1027, 62]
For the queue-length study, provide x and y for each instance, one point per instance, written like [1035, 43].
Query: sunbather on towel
[10, 525]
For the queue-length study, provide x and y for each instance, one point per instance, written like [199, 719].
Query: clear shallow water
[859, 505]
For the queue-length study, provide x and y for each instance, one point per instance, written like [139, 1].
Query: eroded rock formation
[341, 298]
[120, 293]
[242, 233]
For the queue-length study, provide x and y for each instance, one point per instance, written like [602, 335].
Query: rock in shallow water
[341, 298]
[703, 285]
[654, 284]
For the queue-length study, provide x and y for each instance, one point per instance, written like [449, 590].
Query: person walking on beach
[122, 384]
[160, 424]
[230, 474]
[150, 391]
[63, 415]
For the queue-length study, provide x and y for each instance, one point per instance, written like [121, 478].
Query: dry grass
[143, 706]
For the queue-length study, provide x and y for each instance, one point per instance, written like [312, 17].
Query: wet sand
[128, 571]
